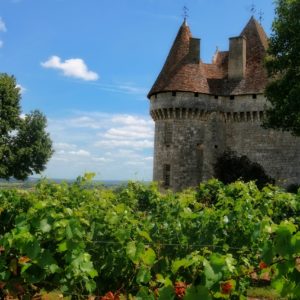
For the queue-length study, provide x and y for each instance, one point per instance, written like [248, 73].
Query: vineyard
[133, 242]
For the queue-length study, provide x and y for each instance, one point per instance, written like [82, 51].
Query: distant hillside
[31, 182]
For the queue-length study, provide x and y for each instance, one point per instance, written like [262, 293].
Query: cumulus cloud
[138, 144]
[149, 158]
[72, 154]
[103, 143]
[80, 152]
[2, 25]
[73, 67]
[64, 146]
[130, 120]
[87, 122]
[129, 132]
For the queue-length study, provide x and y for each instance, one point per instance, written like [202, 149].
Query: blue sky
[88, 65]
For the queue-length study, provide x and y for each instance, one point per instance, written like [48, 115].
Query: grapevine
[211, 242]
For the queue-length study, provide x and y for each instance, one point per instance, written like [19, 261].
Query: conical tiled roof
[181, 72]
[255, 34]
[257, 43]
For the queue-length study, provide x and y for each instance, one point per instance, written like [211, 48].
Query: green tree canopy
[25, 147]
[283, 66]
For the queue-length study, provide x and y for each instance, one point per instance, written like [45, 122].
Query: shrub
[230, 167]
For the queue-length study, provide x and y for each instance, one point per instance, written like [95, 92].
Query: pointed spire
[254, 33]
[180, 47]
[181, 64]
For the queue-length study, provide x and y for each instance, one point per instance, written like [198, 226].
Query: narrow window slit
[166, 175]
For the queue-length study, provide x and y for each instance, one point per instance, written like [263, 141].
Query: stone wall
[192, 130]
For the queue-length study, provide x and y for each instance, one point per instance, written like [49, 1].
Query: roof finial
[185, 13]
[260, 16]
[253, 9]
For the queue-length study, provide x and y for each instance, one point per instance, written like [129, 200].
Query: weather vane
[260, 16]
[253, 9]
[185, 12]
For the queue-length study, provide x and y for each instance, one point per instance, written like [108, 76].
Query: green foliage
[25, 147]
[229, 168]
[283, 65]
[199, 244]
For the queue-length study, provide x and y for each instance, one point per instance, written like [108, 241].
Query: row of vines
[136, 243]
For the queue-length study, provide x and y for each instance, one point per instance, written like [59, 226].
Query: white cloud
[134, 163]
[140, 144]
[80, 153]
[122, 88]
[73, 67]
[129, 132]
[2, 25]
[149, 158]
[22, 88]
[130, 120]
[102, 159]
[130, 89]
[115, 146]
[86, 122]
[64, 146]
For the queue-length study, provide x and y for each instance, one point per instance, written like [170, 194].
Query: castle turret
[201, 110]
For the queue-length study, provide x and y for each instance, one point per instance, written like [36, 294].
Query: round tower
[200, 110]
[185, 126]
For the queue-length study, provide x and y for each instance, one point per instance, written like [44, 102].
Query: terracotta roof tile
[181, 72]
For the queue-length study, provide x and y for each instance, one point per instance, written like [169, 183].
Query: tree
[283, 66]
[25, 147]
[229, 168]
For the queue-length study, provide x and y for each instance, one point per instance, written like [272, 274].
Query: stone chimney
[194, 50]
[237, 57]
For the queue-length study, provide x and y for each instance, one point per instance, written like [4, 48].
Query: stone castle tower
[201, 110]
